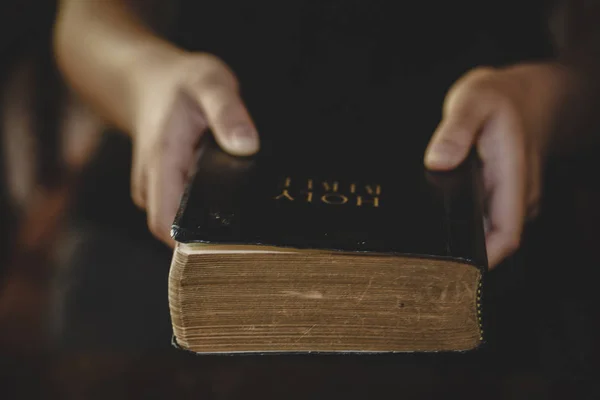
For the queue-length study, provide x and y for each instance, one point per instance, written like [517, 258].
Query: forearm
[103, 50]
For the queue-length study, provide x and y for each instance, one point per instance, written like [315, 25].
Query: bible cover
[284, 251]
[323, 200]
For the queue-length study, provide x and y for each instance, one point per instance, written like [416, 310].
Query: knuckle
[211, 61]
[483, 93]
[453, 143]
[480, 73]
[207, 58]
[476, 78]
[154, 145]
[207, 70]
[473, 89]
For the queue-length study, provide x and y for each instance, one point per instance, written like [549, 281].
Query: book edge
[177, 346]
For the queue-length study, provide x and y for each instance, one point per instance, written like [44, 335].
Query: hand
[508, 115]
[177, 100]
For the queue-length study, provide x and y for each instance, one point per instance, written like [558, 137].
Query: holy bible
[300, 249]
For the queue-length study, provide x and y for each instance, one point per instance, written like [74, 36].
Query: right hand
[176, 102]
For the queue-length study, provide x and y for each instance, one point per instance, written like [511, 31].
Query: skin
[508, 115]
[166, 98]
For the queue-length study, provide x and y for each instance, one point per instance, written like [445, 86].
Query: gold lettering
[332, 194]
[360, 201]
[371, 191]
[334, 198]
[285, 194]
[331, 188]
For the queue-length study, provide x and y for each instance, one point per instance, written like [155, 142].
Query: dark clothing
[376, 66]
[410, 35]
[330, 55]
[342, 56]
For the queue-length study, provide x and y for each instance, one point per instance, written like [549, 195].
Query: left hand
[508, 114]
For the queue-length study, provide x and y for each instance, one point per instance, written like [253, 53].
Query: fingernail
[436, 158]
[244, 139]
[440, 155]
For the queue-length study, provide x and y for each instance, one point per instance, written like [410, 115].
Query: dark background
[83, 315]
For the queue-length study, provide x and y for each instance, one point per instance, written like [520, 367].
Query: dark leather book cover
[310, 197]
[341, 168]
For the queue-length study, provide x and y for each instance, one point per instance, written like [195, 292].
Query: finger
[162, 193]
[150, 137]
[169, 168]
[503, 153]
[466, 108]
[138, 180]
[228, 118]
[534, 185]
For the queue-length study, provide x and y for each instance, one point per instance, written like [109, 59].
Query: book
[327, 246]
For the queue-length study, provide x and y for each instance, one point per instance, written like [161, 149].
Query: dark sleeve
[575, 25]
[21, 22]
[576, 28]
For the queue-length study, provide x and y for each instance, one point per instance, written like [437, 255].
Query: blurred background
[83, 306]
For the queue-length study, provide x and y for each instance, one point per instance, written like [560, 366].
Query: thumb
[465, 112]
[228, 119]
